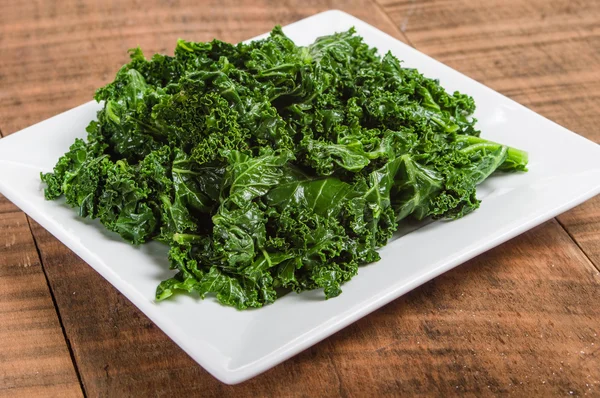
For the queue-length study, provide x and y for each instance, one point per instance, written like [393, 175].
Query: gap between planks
[60, 321]
[595, 267]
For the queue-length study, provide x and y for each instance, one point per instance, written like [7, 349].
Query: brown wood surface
[520, 319]
[543, 54]
[517, 319]
[583, 224]
[34, 359]
[6, 206]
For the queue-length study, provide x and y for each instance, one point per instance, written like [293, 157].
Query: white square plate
[564, 171]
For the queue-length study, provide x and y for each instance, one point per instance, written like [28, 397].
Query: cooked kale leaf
[269, 167]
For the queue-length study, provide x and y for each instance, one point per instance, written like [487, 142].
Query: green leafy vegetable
[268, 166]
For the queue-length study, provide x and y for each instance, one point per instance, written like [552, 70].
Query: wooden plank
[34, 358]
[515, 320]
[582, 224]
[54, 60]
[543, 54]
[6, 206]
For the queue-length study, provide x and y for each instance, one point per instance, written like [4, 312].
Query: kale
[269, 167]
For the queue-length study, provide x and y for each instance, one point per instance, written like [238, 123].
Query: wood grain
[6, 206]
[520, 319]
[583, 223]
[34, 359]
[474, 330]
[53, 55]
[543, 54]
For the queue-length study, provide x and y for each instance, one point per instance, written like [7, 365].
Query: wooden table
[523, 318]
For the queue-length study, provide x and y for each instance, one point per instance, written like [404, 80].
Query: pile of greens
[269, 167]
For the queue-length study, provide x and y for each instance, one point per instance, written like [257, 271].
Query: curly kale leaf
[269, 167]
